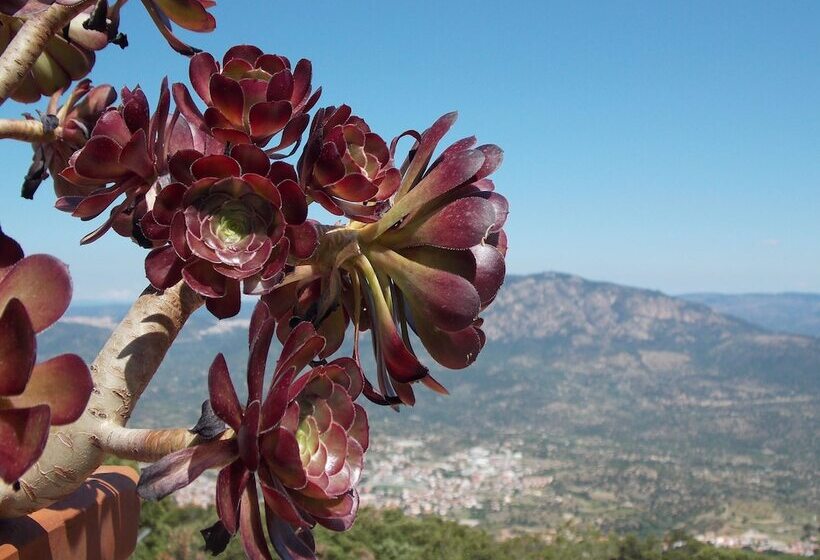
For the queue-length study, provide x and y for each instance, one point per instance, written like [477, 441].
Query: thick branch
[146, 446]
[30, 41]
[29, 130]
[121, 372]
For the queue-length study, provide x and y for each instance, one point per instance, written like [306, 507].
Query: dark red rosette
[76, 118]
[228, 219]
[251, 98]
[346, 167]
[34, 292]
[439, 254]
[304, 442]
[429, 265]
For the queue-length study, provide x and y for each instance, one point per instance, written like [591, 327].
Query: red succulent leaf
[63, 383]
[204, 280]
[23, 436]
[278, 501]
[454, 350]
[447, 300]
[303, 238]
[293, 544]
[95, 203]
[163, 268]
[424, 151]
[227, 97]
[112, 126]
[43, 286]
[190, 14]
[268, 118]
[280, 86]
[100, 159]
[228, 305]
[294, 206]
[493, 157]
[401, 364]
[222, 393]
[449, 174]
[299, 349]
[251, 159]
[250, 525]
[281, 452]
[18, 348]
[490, 272]
[230, 485]
[179, 469]
[10, 253]
[461, 224]
[337, 514]
[134, 156]
[217, 166]
[249, 53]
[200, 70]
[258, 359]
[248, 436]
[276, 401]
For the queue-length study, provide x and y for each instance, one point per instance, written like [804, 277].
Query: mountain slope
[789, 312]
[582, 324]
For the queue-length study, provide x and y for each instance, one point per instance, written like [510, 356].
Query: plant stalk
[148, 446]
[30, 41]
[121, 372]
[33, 131]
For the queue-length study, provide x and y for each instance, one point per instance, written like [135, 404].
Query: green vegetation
[391, 535]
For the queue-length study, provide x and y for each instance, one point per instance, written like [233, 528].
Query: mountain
[796, 313]
[578, 325]
[606, 405]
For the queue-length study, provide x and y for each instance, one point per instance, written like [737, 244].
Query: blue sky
[670, 145]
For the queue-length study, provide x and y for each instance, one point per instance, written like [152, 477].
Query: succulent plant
[435, 253]
[76, 118]
[304, 442]
[34, 293]
[209, 193]
[66, 57]
[227, 220]
[99, 23]
[429, 264]
[347, 168]
[127, 155]
[252, 97]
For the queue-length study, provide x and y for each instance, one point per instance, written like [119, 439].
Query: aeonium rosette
[127, 156]
[304, 442]
[75, 118]
[251, 98]
[34, 292]
[430, 265]
[346, 167]
[227, 220]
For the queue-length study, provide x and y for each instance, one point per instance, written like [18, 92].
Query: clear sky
[670, 145]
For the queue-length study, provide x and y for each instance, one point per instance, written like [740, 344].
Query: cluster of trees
[173, 533]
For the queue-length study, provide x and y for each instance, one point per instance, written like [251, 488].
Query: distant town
[478, 484]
